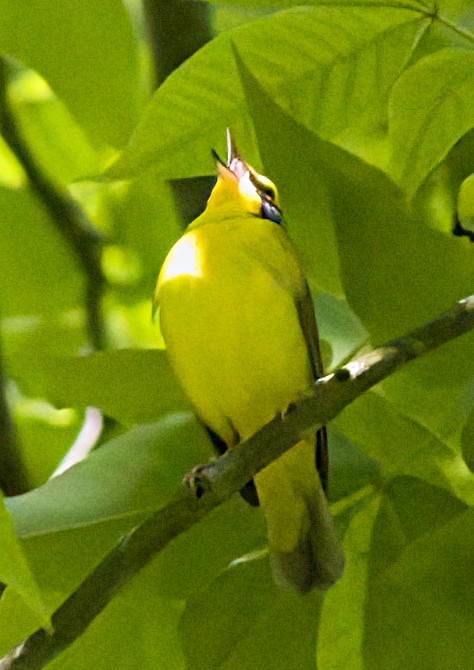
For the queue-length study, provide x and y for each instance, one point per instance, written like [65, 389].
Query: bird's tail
[305, 551]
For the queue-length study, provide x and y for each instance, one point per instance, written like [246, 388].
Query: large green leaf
[63, 558]
[130, 475]
[87, 53]
[350, 469]
[329, 77]
[240, 621]
[137, 629]
[132, 386]
[437, 391]
[432, 107]
[402, 446]
[382, 530]
[50, 131]
[419, 610]
[288, 156]
[396, 271]
[68, 525]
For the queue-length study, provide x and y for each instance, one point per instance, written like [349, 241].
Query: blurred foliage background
[363, 114]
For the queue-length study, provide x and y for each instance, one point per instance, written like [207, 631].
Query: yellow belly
[231, 326]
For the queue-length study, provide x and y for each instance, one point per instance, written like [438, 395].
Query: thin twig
[208, 486]
[66, 214]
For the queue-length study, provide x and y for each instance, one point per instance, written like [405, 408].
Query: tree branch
[208, 486]
[68, 217]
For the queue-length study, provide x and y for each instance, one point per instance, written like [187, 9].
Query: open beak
[232, 152]
[234, 162]
[235, 168]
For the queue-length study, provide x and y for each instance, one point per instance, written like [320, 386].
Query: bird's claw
[197, 481]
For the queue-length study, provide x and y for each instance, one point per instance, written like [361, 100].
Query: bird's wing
[304, 305]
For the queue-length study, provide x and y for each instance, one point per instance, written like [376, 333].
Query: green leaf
[338, 324]
[290, 164]
[432, 107]
[410, 508]
[437, 391]
[15, 571]
[240, 621]
[71, 522]
[457, 10]
[101, 498]
[402, 446]
[341, 627]
[60, 562]
[137, 629]
[132, 386]
[87, 53]
[381, 247]
[51, 132]
[350, 468]
[421, 607]
[465, 205]
[336, 78]
[33, 283]
[381, 529]
[397, 271]
[208, 548]
[133, 474]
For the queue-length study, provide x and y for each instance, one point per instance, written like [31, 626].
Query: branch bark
[209, 485]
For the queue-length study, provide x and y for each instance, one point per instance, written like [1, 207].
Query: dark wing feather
[304, 305]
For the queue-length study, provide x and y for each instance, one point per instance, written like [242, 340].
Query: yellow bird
[238, 322]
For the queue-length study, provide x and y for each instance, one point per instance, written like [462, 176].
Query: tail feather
[305, 551]
[318, 560]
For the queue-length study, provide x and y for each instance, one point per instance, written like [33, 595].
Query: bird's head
[240, 189]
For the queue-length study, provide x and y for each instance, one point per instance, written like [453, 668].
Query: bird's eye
[269, 192]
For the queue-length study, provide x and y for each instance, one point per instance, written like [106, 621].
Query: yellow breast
[228, 316]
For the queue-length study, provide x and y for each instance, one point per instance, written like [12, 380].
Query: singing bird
[239, 326]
